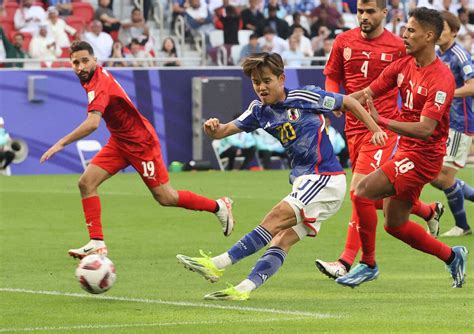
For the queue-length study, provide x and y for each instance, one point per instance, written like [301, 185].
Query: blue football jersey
[298, 123]
[459, 61]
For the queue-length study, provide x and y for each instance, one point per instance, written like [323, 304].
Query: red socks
[422, 210]
[352, 240]
[367, 228]
[415, 235]
[192, 201]
[91, 207]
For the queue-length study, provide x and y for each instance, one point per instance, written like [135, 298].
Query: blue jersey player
[461, 125]
[296, 119]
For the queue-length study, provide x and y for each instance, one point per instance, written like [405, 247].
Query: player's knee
[85, 185]
[165, 199]
[361, 189]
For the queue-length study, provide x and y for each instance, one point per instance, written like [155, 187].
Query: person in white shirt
[100, 41]
[304, 43]
[270, 42]
[28, 17]
[44, 47]
[58, 28]
[294, 57]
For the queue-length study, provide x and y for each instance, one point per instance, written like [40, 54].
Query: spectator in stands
[273, 4]
[323, 52]
[229, 20]
[293, 57]
[466, 42]
[394, 9]
[168, 50]
[253, 18]
[64, 7]
[199, 18]
[350, 6]
[58, 28]
[322, 34]
[328, 15]
[298, 22]
[268, 147]
[280, 26]
[178, 9]
[28, 17]
[134, 28]
[242, 144]
[137, 51]
[270, 42]
[304, 43]
[251, 47]
[397, 23]
[15, 50]
[101, 42]
[105, 15]
[338, 143]
[118, 51]
[450, 6]
[44, 47]
[305, 7]
[466, 28]
[288, 6]
[431, 4]
[467, 5]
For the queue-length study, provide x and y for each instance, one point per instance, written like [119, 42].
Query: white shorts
[457, 149]
[315, 198]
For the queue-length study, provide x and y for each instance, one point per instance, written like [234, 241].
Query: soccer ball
[96, 273]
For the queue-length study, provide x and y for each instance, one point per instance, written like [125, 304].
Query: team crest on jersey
[293, 114]
[347, 53]
[91, 96]
[400, 78]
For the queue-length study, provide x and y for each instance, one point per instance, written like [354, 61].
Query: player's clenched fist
[211, 126]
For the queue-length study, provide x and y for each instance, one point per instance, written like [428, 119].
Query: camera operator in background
[7, 148]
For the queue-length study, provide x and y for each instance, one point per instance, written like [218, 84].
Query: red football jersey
[133, 132]
[425, 91]
[357, 62]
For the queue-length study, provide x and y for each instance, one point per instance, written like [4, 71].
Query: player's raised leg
[88, 184]
[270, 262]
[281, 217]
[155, 175]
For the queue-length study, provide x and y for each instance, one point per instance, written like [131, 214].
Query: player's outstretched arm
[421, 130]
[86, 128]
[214, 129]
[466, 90]
[352, 105]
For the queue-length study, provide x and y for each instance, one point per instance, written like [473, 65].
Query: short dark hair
[259, 60]
[382, 4]
[80, 46]
[452, 21]
[253, 36]
[429, 18]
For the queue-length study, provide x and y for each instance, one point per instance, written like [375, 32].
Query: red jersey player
[357, 58]
[426, 88]
[133, 142]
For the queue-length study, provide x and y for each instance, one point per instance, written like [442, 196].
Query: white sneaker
[331, 269]
[433, 223]
[224, 214]
[456, 231]
[92, 247]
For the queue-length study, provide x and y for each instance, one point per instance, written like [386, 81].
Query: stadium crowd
[297, 29]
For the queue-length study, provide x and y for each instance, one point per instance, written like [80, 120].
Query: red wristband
[383, 121]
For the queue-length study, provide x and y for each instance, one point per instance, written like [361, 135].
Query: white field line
[70, 192]
[175, 303]
[154, 324]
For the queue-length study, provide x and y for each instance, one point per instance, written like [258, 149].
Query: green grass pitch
[41, 218]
